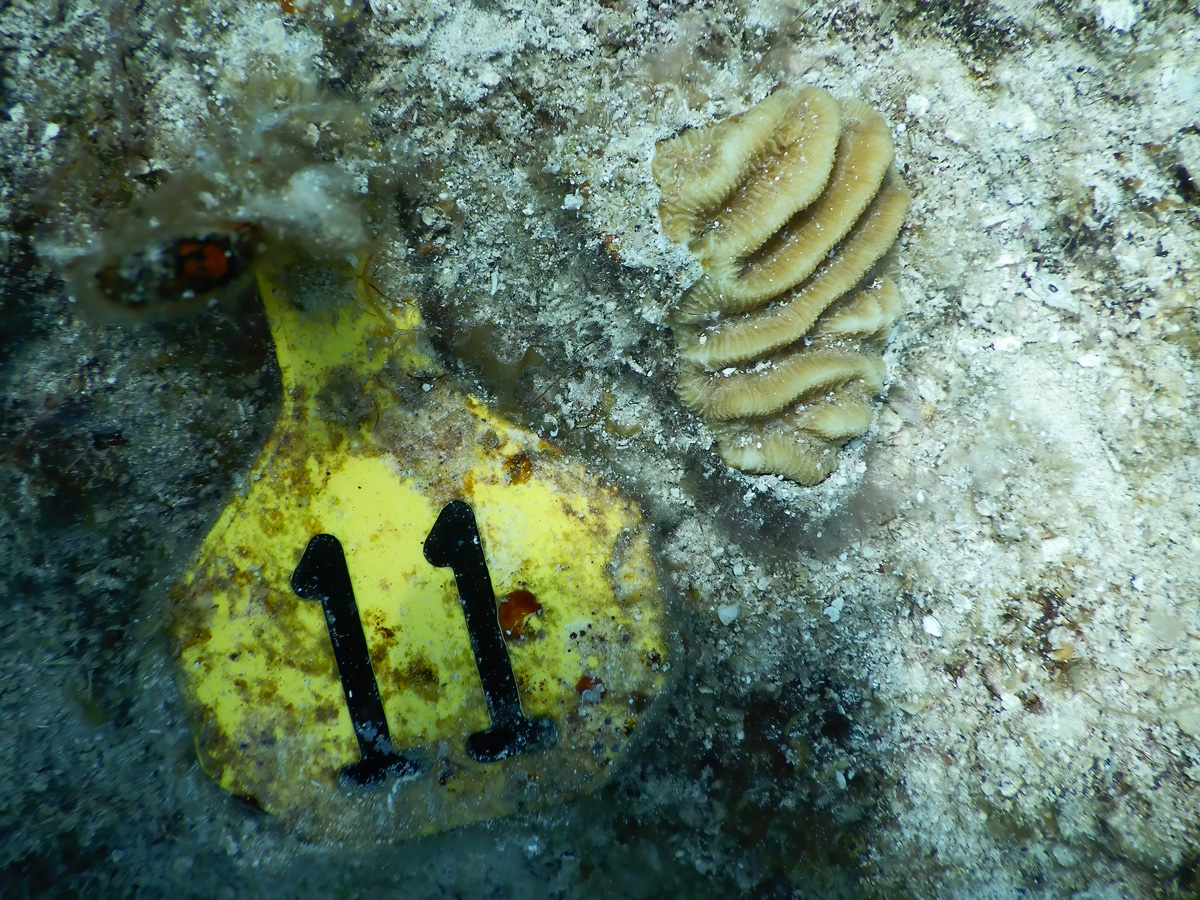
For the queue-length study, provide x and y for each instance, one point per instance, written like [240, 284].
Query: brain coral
[787, 207]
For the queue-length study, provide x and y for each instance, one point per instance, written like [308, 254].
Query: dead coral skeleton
[787, 206]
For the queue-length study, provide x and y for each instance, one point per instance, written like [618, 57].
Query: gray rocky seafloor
[967, 665]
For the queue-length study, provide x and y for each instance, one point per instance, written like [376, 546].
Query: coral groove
[787, 207]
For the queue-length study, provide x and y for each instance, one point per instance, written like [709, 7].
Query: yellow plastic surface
[372, 440]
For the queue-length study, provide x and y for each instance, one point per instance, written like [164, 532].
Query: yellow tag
[416, 615]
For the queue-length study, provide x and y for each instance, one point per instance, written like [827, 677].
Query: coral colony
[786, 373]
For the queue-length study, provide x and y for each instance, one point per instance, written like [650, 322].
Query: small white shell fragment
[1089, 360]
[1055, 548]
[1052, 290]
[932, 626]
[916, 105]
[727, 614]
[1007, 343]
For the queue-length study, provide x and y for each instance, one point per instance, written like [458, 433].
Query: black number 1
[322, 575]
[454, 541]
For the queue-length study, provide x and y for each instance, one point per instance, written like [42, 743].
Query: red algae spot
[202, 260]
[514, 611]
[590, 689]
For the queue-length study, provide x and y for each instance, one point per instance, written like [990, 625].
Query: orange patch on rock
[514, 611]
[518, 468]
[591, 689]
